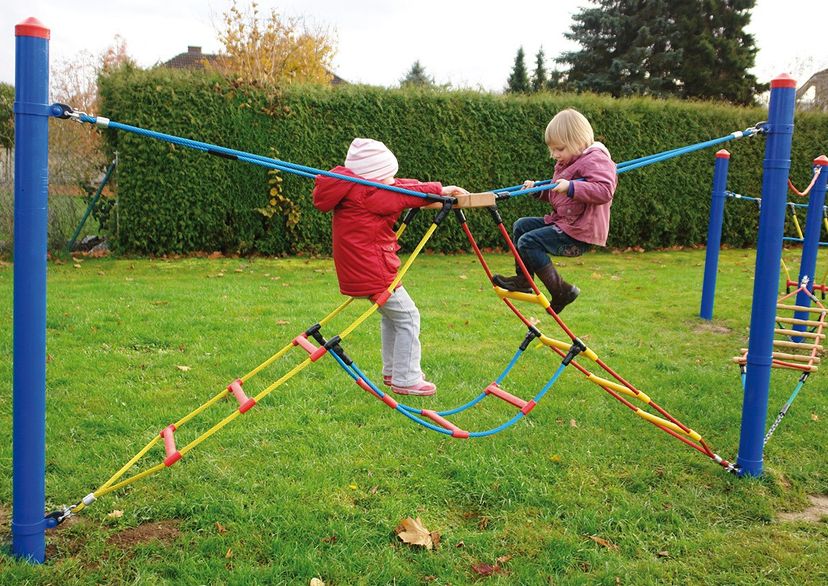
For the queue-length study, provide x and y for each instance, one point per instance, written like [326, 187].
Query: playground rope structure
[790, 350]
[315, 344]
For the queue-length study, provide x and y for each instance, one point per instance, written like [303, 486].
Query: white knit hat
[371, 159]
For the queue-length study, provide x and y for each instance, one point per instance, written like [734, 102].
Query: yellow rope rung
[668, 424]
[643, 397]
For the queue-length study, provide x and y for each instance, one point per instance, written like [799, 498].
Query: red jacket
[584, 216]
[364, 240]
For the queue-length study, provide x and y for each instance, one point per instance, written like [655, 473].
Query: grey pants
[400, 329]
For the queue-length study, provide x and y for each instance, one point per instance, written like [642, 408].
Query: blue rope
[301, 170]
[623, 167]
[310, 172]
[412, 413]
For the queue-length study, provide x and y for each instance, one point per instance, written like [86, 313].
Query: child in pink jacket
[586, 181]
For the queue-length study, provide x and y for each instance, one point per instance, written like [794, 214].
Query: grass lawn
[313, 481]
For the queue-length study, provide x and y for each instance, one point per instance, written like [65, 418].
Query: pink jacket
[584, 216]
[364, 242]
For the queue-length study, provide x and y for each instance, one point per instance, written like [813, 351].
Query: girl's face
[560, 152]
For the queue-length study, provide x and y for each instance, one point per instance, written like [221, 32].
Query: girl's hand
[454, 190]
[528, 184]
[562, 186]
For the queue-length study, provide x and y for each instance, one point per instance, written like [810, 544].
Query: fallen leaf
[603, 542]
[573, 423]
[485, 569]
[663, 553]
[182, 368]
[76, 265]
[116, 514]
[413, 532]
[463, 277]
[503, 559]
[316, 582]
[483, 522]
[353, 486]
[220, 528]
[282, 322]
[555, 458]
[814, 417]
[329, 539]
[460, 544]
[373, 490]
[229, 553]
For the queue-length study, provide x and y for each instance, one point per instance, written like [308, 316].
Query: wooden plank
[799, 322]
[471, 200]
[794, 333]
[801, 308]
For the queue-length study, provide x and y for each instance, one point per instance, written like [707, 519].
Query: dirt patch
[711, 328]
[163, 531]
[813, 514]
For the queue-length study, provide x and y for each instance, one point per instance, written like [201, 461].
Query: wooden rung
[794, 333]
[470, 200]
[800, 345]
[780, 364]
[801, 308]
[799, 322]
[793, 357]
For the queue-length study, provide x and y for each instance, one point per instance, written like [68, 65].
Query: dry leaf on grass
[413, 532]
[220, 528]
[603, 542]
[486, 569]
[182, 368]
[316, 582]
[116, 514]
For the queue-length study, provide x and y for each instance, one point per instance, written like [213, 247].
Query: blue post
[31, 177]
[810, 244]
[768, 258]
[714, 233]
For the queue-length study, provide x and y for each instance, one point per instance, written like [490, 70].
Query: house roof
[192, 59]
[195, 59]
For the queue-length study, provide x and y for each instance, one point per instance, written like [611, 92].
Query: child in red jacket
[586, 181]
[365, 251]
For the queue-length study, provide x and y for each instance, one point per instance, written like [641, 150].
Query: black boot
[562, 292]
[514, 283]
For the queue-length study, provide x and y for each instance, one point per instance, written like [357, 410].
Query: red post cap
[783, 80]
[821, 161]
[31, 27]
[723, 154]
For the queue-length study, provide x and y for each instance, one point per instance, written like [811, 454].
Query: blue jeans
[535, 239]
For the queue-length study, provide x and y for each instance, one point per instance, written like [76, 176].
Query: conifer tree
[518, 82]
[417, 77]
[539, 79]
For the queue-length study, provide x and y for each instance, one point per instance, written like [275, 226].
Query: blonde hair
[570, 129]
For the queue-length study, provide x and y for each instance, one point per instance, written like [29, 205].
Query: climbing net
[316, 341]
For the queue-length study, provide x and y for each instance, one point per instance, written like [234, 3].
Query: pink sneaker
[421, 388]
[386, 379]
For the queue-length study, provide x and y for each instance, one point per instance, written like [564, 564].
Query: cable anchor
[576, 348]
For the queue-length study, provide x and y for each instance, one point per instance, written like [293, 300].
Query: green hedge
[175, 200]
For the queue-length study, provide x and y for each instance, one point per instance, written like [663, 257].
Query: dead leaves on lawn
[414, 533]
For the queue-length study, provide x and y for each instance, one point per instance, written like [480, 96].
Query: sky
[465, 43]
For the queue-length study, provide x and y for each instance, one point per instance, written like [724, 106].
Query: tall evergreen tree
[539, 79]
[692, 48]
[518, 82]
[417, 77]
[717, 52]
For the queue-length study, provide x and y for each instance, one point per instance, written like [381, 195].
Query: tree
[628, 47]
[539, 80]
[417, 77]
[518, 82]
[273, 50]
[716, 51]
[695, 48]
